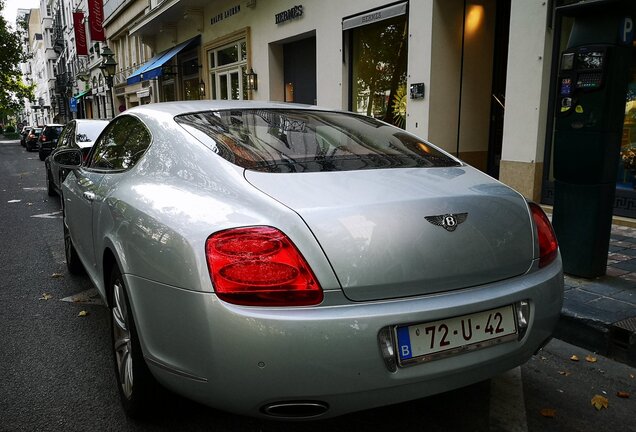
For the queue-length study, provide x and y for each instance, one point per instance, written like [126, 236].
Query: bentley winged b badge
[448, 221]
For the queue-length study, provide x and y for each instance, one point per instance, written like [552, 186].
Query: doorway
[498, 99]
[299, 71]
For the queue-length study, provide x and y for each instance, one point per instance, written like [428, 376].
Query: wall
[528, 79]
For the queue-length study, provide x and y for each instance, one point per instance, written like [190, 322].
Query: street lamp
[108, 67]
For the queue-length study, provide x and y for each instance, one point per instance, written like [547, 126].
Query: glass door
[229, 86]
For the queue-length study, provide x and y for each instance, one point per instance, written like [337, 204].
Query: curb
[593, 319]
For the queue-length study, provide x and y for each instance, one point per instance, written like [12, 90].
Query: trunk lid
[389, 233]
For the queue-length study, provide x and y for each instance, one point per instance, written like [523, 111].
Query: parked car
[31, 140]
[23, 134]
[77, 134]
[281, 260]
[48, 139]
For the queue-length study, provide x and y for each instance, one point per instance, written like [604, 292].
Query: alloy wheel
[122, 340]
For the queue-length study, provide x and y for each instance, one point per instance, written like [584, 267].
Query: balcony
[168, 12]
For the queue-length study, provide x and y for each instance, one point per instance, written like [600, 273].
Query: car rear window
[311, 141]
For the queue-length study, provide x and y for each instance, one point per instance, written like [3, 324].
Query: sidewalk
[600, 314]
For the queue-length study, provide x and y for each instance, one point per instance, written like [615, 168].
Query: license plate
[432, 340]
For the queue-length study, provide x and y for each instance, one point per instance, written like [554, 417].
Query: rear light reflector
[260, 266]
[548, 245]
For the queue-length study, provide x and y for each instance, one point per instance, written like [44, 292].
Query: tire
[73, 262]
[137, 387]
[50, 189]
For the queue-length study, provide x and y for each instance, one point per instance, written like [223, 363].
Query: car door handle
[89, 196]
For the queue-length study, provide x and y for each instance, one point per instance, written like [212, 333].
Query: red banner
[96, 20]
[80, 33]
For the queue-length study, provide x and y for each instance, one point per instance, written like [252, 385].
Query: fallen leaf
[57, 275]
[632, 376]
[590, 359]
[599, 402]
[46, 296]
[29, 204]
[548, 412]
[82, 314]
[543, 358]
[564, 373]
[574, 358]
[623, 395]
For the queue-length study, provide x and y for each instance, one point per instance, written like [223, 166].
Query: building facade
[475, 77]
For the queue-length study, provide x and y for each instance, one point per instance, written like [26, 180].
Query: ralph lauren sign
[289, 14]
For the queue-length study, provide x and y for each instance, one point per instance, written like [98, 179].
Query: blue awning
[153, 67]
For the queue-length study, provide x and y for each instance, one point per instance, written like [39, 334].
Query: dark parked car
[23, 134]
[31, 140]
[48, 139]
[77, 134]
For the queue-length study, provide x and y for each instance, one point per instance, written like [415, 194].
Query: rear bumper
[243, 358]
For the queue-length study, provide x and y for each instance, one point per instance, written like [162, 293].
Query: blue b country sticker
[404, 343]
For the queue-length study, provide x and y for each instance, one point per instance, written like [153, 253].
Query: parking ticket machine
[589, 111]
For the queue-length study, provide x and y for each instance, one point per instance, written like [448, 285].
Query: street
[56, 369]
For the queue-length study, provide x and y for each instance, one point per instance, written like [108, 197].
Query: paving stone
[619, 256]
[627, 296]
[630, 265]
[629, 252]
[611, 310]
[580, 296]
[603, 289]
[614, 271]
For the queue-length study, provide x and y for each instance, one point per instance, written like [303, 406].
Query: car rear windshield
[283, 141]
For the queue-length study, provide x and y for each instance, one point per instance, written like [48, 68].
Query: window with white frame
[227, 67]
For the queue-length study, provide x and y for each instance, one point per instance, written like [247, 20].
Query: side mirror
[68, 158]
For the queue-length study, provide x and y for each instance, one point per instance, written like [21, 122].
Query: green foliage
[13, 90]
[10, 129]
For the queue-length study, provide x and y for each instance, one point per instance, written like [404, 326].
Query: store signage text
[96, 20]
[371, 17]
[226, 14]
[80, 33]
[289, 14]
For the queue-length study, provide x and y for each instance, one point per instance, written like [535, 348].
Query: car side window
[65, 136]
[121, 145]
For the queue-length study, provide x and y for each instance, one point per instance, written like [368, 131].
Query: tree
[13, 90]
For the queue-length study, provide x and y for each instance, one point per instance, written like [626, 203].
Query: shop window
[190, 70]
[378, 69]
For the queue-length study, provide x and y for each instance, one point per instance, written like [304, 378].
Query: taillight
[260, 266]
[42, 138]
[548, 246]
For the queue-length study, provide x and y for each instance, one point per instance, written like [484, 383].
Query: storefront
[173, 74]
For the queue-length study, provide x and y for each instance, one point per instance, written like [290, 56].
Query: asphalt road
[56, 371]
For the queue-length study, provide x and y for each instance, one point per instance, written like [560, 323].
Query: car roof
[85, 121]
[183, 107]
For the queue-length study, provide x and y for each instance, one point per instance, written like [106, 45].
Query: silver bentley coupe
[289, 261]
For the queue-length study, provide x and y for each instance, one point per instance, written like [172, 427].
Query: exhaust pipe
[295, 409]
